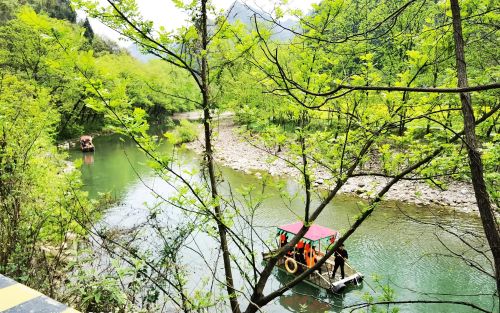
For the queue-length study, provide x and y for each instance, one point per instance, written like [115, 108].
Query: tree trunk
[490, 225]
[235, 308]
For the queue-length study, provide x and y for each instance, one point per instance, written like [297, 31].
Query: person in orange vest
[283, 240]
[315, 257]
[332, 239]
[311, 257]
[307, 254]
[300, 250]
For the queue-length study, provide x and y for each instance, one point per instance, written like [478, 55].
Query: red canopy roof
[315, 232]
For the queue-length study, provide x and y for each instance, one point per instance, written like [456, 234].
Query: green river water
[400, 251]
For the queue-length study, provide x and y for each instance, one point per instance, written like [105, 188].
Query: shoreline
[69, 143]
[235, 151]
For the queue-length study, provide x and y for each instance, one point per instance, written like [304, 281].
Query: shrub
[185, 132]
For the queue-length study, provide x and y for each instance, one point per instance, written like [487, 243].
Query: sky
[164, 13]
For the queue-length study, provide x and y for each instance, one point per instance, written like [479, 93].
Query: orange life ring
[291, 266]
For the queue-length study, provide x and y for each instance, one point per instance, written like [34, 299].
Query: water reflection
[88, 158]
[113, 168]
[303, 303]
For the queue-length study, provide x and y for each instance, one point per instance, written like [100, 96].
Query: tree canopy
[359, 88]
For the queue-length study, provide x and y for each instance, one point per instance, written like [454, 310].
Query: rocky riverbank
[235, 151]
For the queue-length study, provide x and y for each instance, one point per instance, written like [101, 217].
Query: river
[389, 245]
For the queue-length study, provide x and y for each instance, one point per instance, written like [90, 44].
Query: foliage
[43, 97]
[329, 96]
[185, 132]
[44, 50]
[385, 293]
[93, 289]
[314, 95]
[41, 209]
[58, 9]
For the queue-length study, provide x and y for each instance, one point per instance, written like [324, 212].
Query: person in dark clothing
[300, 252]
[340, 258]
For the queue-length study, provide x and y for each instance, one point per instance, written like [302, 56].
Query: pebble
[64, 145]
[233, 150]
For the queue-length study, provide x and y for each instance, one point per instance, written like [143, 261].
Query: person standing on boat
[300, 249]
[340, 257]
[283, 239]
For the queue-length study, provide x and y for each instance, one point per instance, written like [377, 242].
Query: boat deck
[322, 278]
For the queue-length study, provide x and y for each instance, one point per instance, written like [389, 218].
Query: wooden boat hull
[88, 149]
[322, 279]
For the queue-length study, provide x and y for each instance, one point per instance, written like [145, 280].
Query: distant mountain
[283, 34]
[136, 52]
[244, 13]
[239, 12]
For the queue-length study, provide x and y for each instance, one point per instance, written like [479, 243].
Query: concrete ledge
[18, 298]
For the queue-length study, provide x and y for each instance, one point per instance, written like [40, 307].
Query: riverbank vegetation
[359, 82]
[44, 216]
[42, 209]
[357, 88]
[33, 48]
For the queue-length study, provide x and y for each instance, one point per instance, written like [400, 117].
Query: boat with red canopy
[312, 247]
[86, 144]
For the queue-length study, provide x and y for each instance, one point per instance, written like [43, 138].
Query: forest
[376, 118]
